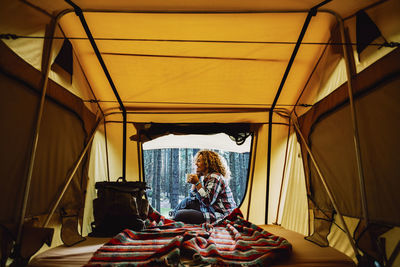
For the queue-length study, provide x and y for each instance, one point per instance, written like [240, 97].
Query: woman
[210, 196]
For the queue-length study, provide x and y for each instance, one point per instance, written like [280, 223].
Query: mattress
[304, 253]
[63, 256]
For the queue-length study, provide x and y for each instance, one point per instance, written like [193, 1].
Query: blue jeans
[188, 211]
[186, 203]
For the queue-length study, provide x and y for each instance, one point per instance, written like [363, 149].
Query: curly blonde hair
[214, 163]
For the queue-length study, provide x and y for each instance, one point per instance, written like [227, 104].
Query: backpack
[119, 205]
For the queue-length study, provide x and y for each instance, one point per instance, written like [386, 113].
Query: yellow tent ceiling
[211, 60]
[225, 56]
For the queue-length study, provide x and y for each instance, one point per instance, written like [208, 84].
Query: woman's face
[201, 167]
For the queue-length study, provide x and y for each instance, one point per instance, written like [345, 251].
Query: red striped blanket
[231, 242]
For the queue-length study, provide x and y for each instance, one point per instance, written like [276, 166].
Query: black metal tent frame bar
[249, 106]
[197, 111]
[79, 13]
[276, 123]
[312, 12]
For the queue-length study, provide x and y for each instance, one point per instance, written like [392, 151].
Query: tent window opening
[168, 159]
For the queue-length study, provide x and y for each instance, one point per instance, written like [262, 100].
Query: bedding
[230, 242]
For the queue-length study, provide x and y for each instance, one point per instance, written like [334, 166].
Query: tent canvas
[203, 62]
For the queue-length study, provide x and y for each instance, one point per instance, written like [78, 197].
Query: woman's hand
[192, 178]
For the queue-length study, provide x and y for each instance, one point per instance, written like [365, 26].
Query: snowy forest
[165, 173]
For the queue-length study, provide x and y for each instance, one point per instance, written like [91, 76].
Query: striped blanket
[230, 242]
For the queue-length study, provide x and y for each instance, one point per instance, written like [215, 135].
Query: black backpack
[119, 205]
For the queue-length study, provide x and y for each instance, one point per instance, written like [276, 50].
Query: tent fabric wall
[23, 101]
[256, 211]
[13, 19]
[373, 142]
[114, 150]
[295, 211]
[63, 135]
[279, 142]
[384, 16]
[15, 67]
[97, 171]
[257, 206]
[379, 146]
[365, 81]
[328, 74]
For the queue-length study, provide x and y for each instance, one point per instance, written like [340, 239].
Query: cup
[188, 177]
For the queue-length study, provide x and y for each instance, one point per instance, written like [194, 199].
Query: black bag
[119, 205]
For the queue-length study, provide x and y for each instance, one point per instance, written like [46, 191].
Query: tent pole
[45, 78]
[312, 12]
[69, 179]
[330, 195]
[106, 145]
[252, 163]
[356, 136]
[283, 176]
[79, 13]
[140, 158]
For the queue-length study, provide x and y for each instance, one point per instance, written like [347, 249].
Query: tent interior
[315, 83]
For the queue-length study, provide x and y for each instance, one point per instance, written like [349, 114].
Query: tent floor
[306, 253]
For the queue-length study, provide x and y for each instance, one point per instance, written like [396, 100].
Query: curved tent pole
[356, 136]
[312, 12]
[328, 191]
[79, 13]
[46, 59]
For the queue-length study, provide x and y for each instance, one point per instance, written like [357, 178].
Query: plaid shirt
[217, 202]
